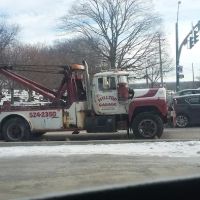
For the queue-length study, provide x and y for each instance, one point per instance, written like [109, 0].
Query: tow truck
[103, 103]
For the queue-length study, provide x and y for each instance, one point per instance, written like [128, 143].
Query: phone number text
[42, 114]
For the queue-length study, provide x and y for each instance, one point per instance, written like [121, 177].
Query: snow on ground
[169, 149]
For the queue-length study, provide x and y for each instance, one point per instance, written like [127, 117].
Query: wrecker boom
[53, 96]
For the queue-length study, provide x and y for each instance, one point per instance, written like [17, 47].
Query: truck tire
[147, 126]
[16, 129]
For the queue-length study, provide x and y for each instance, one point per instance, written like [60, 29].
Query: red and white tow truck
[104, 103]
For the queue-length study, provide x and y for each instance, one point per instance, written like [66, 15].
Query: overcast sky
[38, 20]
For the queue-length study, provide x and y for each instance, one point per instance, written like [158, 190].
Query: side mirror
[131, 93]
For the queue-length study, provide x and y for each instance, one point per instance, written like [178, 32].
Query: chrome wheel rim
[181, 121]
[147, 128]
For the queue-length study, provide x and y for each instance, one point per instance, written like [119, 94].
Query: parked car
[187, 109]
[187, 92]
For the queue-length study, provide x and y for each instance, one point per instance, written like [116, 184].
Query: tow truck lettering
[112, 98]
[107, 104]
[42, 114]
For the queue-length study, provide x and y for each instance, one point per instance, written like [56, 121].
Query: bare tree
[121, 30]
[8, 33]
[42, 63]
[33, 62]
[3, 83]
[158, 57]
[76, 50]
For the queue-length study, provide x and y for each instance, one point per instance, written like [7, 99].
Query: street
[43, 167]
[169, 133]
[192, 133]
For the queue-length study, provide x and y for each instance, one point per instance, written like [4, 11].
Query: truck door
[105, 97]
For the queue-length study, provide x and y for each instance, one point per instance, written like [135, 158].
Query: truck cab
[116, 106]
[106, 94]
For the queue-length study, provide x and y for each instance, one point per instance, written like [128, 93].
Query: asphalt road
[169, 133]
[34, 176]
[27, 176]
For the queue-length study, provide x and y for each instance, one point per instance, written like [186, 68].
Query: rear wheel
[16, 129]
[182, 121]
[147, 126]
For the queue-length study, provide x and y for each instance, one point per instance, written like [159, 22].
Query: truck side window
[107, 83]
[100, 84]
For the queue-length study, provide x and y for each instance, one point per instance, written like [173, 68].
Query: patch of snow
[168, 149]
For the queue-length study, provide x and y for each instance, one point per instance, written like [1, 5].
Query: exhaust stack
[88, 86]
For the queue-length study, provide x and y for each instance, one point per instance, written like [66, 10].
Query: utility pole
[192, 38]
[192, 76]
[147, 78]
[177, 50]
[160, 56]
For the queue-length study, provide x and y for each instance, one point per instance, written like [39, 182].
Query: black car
[187, 110]
[187, 92]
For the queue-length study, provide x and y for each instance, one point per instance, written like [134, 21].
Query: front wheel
[147, 126]
[16, 129]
